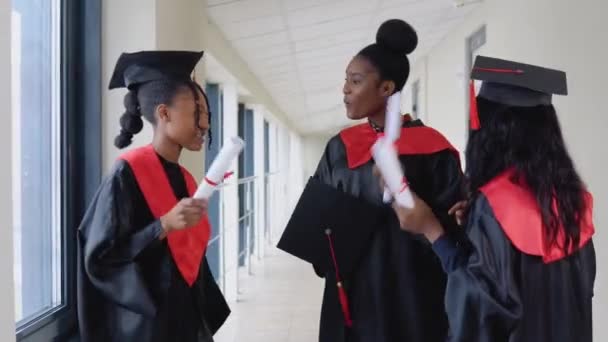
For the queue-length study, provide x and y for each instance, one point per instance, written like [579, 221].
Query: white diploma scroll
[392, 127]
[218, 168]
[387, 160]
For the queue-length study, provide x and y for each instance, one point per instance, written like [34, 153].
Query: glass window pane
[36, 157]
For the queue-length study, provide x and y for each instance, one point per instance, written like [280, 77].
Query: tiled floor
[281, 303]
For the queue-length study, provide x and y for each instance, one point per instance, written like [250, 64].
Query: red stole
[516, 210]
[358, 141]
[187, 246]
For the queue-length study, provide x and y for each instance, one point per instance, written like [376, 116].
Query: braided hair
[143, 100]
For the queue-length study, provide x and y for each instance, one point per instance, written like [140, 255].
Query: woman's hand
[418, 220]
[458, 210]
[186, 213]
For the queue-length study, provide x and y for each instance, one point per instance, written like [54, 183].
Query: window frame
[416, 99]
[81, 151]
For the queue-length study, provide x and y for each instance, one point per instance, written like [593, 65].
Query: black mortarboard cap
[517, 84]
[323, 209]
[145, 66]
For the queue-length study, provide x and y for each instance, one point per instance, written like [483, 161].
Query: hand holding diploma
[219, 167]
[387, 161]
[414, 215]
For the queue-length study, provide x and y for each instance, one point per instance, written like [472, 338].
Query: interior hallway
[281, 303]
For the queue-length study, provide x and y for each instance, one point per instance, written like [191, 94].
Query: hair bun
[131, 123]
[123, 140]
[132, 103]
[397, 35]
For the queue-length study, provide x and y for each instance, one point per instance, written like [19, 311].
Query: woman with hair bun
[396, 291]
[142, 270]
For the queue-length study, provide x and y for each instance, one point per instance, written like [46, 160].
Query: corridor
[273, 74]
[274, 308]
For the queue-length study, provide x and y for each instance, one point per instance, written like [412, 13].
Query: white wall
[7, 301]
[295, 181]
[417, 73]
[274, 187]
[258, 156]
[134, 25]
[118, 20]
[567, 35]
[227, 55]
[181, 25]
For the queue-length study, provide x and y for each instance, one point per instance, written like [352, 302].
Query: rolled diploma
[387, 160]
[218, 168]
[392, 128]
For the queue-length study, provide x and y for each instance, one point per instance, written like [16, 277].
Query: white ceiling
[299, 49]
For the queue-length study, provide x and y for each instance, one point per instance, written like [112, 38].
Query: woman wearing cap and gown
[396, 292]
[142, 273]
[528, 269]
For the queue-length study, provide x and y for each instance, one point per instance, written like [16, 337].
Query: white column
[284, 168]
[229, 201]
[7, 318]
[258, 156]
[274, 198]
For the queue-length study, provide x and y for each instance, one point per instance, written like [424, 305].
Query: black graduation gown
[397, 291]
[501, 294]
[129, 287]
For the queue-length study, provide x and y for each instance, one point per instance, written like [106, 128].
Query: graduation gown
[396, 292]
[513, 286]
[129, 287]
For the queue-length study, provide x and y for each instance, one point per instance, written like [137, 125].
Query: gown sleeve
[110, 244]
[482, 299]
[447, 188]
[324, 168]
[324, 175]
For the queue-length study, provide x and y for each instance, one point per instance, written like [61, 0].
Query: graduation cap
[514, 84]
[145, 66]
[331, 230]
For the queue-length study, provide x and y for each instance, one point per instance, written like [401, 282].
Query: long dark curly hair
[529, 140]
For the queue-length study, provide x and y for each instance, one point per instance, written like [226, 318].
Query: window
[246, 189]
[36, 158]
[266, 181]
[216, 100]
[55, 100]
[416, 100]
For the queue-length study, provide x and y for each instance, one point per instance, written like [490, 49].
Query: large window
[36, 157]
[55, 100]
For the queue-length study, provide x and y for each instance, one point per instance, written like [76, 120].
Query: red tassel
[344, 303]
[473, 114]
[341, 292]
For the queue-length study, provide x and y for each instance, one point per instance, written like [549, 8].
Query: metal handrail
[247, 179]
[247, 217]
